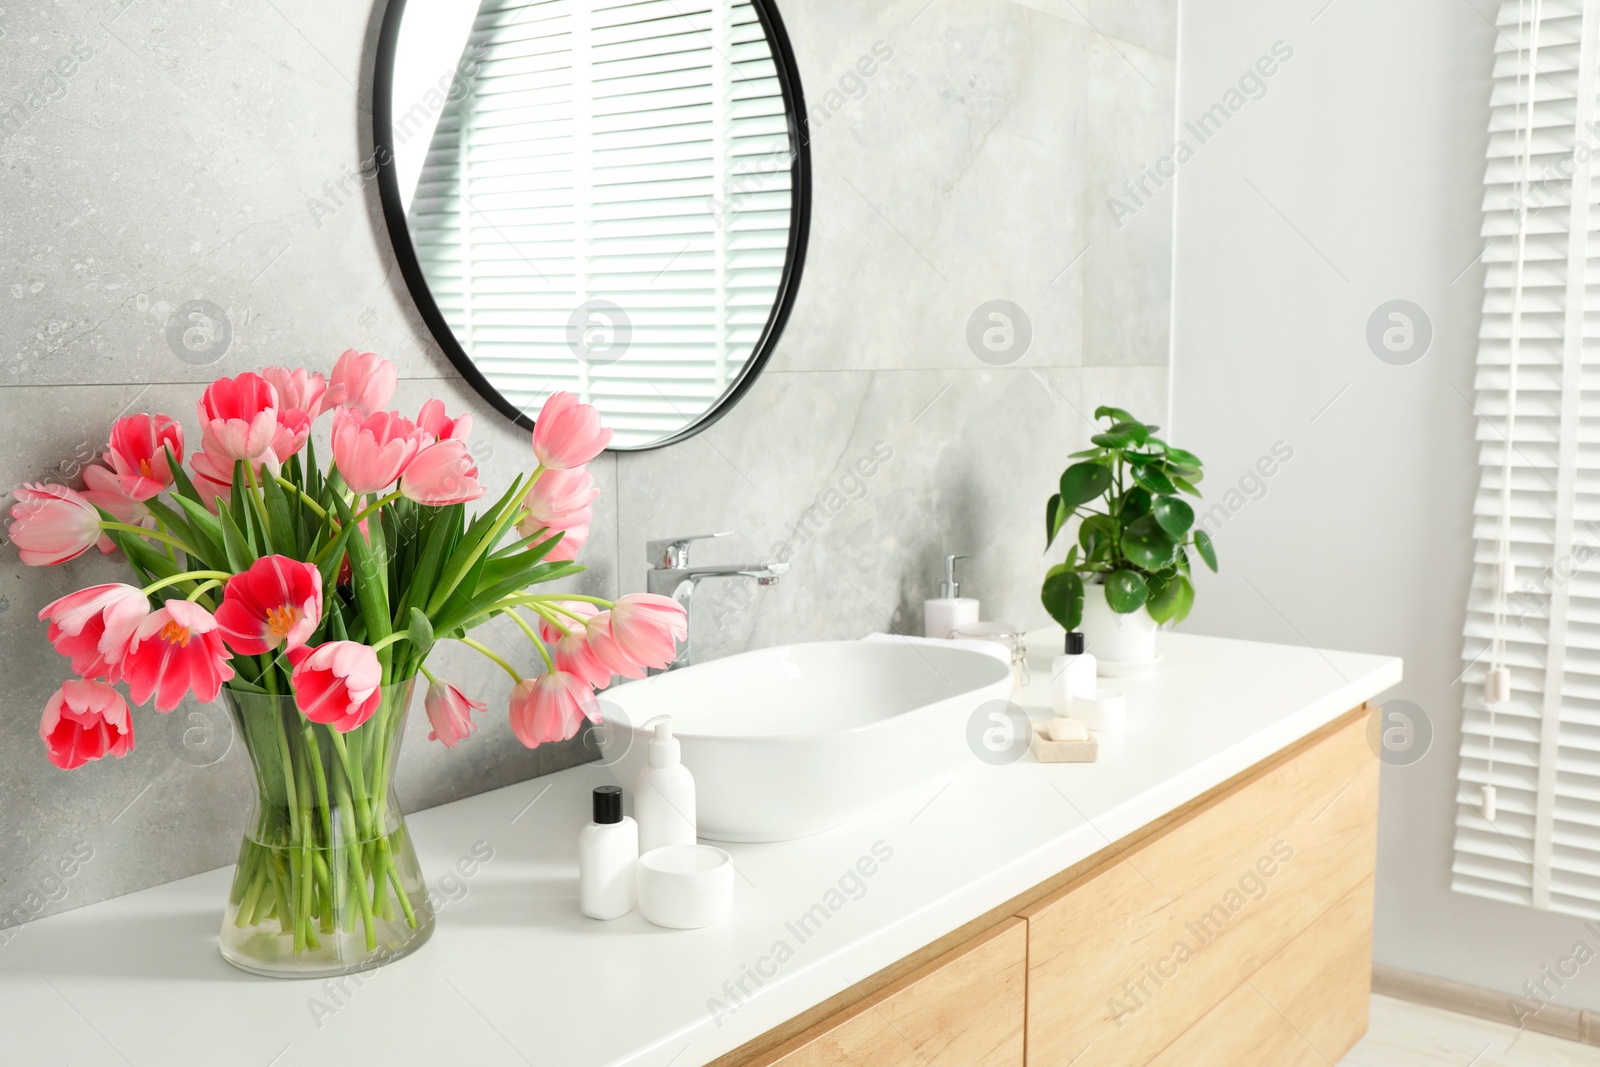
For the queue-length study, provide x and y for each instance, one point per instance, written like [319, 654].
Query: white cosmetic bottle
[663, 797]
[608, 856]
[941, 616]
[1072, 674]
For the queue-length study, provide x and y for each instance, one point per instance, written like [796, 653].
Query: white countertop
[514, 975]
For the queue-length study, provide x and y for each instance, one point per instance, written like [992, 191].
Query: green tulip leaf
[1126, 591]
[1174, 515]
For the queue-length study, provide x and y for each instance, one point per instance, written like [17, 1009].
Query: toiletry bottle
[950, 609]
[1072, 674]
[663, 798]
[608, 852]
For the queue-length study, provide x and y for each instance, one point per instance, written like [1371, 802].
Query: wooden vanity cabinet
[1234, 931]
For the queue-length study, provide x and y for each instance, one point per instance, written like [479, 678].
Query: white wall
[1355, 180]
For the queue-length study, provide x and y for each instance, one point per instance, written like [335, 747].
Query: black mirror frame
[416, 281]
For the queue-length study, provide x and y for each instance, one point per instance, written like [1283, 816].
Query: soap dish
[1048, 751]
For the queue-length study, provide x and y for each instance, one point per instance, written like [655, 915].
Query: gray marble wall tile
[881, 475]
[206, 153]
[998, 94]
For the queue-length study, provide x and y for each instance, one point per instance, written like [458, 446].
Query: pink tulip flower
[176, 651]
[298, 389]
[137, 453]
[83, 721]
[238, 417]
[551, 707]
[371, 451]
[212, 478]
[559, 500]
[640, 631]
[51, 524]
[337, 684]
[449, 713]
[442, 473]
[571, 650]
[362, 380]
[277, 602]
[213, 475]
[443, 428]
[94, 627]
[570, 545]
[291, 434]
[103, 489]
[568, 434]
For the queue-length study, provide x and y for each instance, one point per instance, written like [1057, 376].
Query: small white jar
[685, 887]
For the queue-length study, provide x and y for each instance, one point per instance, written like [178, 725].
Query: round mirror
[607, 197]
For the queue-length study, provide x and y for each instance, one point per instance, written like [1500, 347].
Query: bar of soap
[1046, 750]
[1066, 730]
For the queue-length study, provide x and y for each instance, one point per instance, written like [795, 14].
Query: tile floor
[1403, 1034]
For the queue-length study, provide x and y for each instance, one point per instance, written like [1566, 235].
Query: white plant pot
[1114, 638]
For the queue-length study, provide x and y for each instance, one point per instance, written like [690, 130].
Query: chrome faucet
[670, 575]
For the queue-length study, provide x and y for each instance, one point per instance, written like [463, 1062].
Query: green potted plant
[1133, 539]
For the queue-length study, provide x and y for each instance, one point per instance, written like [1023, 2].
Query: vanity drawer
[1124, 960]
[964, 1009]
[1307, 1006]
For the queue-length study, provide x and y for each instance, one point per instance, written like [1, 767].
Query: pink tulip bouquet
[311, 598]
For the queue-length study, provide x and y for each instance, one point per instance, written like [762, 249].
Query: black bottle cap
[607, 804]
[1074, 644]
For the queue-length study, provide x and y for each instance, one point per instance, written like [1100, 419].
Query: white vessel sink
[790, 741]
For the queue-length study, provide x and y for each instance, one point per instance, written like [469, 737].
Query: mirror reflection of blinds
[631, 152]
[1542, 848]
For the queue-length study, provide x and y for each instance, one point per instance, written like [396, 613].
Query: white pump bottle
[663, 798]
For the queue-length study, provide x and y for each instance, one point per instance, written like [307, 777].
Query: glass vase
[327, 881]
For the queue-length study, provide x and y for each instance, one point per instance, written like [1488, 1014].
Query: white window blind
[1538, 502]
[635, 152]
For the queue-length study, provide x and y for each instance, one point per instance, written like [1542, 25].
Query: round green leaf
[1126, 591]
[1146, 544]
[1153, 480]
[1082, 482]
[1184, 458]
[1135, 502]
[1106, 411]
[1095, 530]
[1208, 551]
[1173, 514]
[1172, 601]
[1054, 516]
[1133, 428]
[1062, 595]
[1185, 485]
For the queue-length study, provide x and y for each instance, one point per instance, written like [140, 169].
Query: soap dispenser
[663, 798]
[941, 616]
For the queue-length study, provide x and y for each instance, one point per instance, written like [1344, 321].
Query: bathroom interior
[523, 543]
